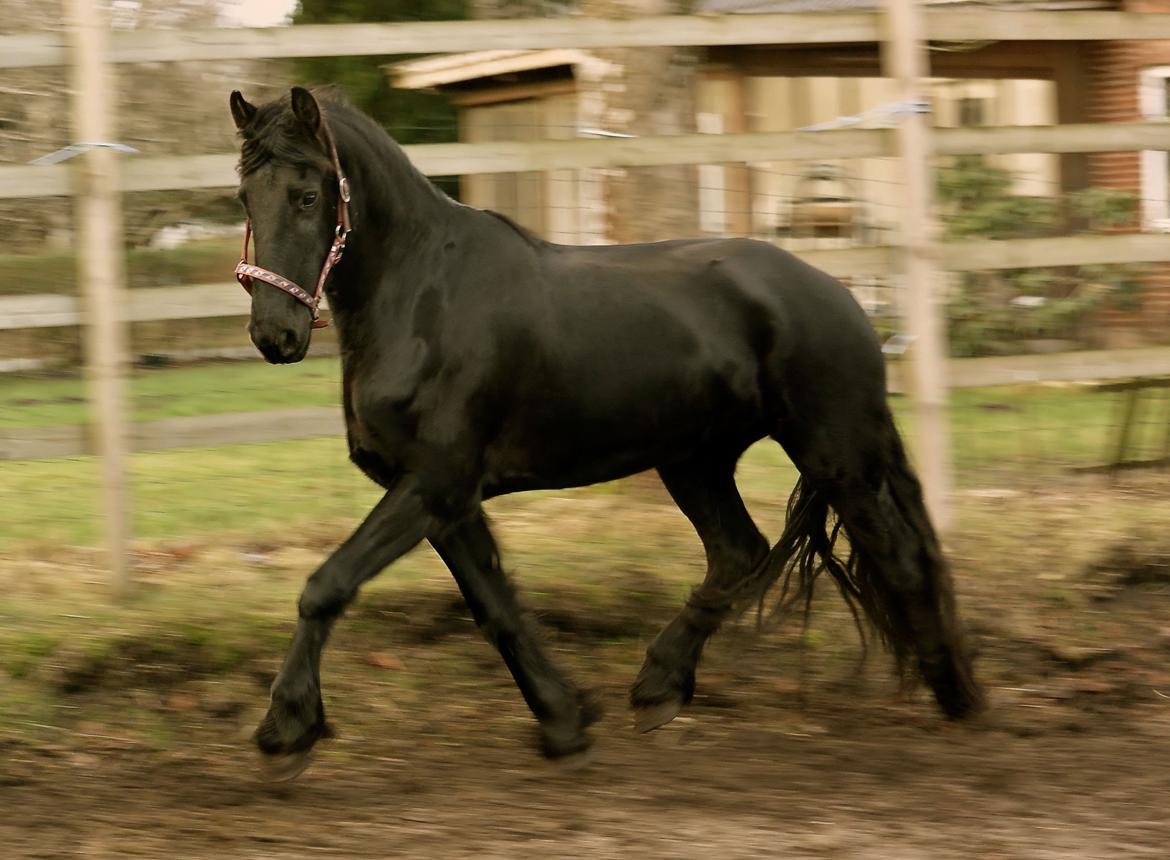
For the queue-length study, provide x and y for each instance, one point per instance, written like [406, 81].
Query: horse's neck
[375, 289]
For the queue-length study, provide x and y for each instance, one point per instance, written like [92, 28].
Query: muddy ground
[788, 751]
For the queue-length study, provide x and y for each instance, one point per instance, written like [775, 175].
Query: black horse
[478, 360]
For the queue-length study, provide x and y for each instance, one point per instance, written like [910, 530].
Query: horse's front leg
[296, 716]
[564, 713]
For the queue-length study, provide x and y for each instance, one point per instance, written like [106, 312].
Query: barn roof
[448, 69]
[762, 6]
[444, 69]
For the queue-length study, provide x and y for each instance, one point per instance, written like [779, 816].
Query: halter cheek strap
[246, 273]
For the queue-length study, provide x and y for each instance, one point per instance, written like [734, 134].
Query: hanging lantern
[825, 204]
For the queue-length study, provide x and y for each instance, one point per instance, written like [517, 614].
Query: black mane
[372, 159]
[275, 135]
[523, 232]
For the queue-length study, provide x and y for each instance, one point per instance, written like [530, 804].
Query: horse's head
[291, 188]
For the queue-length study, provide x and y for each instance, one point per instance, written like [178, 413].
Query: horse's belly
[604, 430]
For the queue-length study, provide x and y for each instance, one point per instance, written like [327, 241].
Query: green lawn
[173, 392]
[185, 493]
[1040, 426]
[1061, 421]
[1000, 435]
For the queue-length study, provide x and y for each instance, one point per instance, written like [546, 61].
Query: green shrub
[992, 312]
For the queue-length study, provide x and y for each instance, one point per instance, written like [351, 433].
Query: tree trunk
[643, 91]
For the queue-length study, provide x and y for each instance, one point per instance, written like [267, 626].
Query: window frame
[1155, 163]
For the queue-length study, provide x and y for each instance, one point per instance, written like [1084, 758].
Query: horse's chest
[382, 430]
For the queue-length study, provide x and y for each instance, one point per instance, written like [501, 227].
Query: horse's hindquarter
[642, 355]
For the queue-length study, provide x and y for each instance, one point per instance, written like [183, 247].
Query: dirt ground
[789, 750]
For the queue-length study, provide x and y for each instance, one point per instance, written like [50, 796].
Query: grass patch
[177, 392]
[1001, 436]
[207, 261]
[1067, 425]
[186, 494]
[1011, 428]
[225, 548]
[1054, 425]
[22, 651]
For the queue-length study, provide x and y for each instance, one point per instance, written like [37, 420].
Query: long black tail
[916, 588]
[808, 547]
[893, 574]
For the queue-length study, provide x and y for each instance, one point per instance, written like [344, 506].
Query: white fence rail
[337, 40]
[205, 301]
[457, 159]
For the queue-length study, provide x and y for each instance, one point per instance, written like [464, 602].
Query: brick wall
[1114, 73]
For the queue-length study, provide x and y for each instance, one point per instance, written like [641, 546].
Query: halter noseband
[246, 272]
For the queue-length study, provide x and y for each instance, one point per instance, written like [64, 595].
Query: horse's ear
[305, 109]
[242, 112]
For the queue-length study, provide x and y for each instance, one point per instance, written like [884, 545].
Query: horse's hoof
[572, 762]
[284, 767]
[647, 718]
[591, 710]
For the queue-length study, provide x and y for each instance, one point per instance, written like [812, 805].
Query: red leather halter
[246, 273]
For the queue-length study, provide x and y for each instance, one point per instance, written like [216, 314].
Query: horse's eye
[308, 199]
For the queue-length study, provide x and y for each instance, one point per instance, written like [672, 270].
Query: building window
[972, 112]
[712, 182]
[1154, 95]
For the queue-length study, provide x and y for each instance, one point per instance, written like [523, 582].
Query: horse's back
[770, 296]
[753, 310]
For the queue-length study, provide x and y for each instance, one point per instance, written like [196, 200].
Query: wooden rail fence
[337, 40]
[903, 48]
[457, 159]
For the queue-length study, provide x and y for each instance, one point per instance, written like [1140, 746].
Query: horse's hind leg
[469, 550]
[896, 571]
[705, 491]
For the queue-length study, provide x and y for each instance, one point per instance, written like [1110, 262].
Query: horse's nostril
[288, 342]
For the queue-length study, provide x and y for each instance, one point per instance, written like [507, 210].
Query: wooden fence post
[905, 60]
[100, 269]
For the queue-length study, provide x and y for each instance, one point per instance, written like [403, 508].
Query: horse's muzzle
[280, 346]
